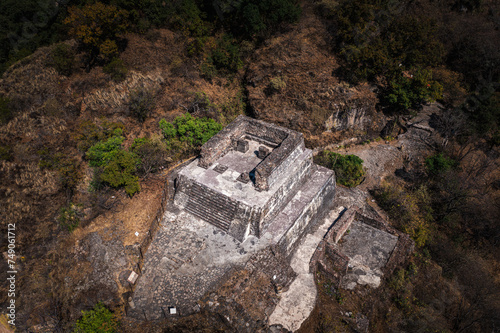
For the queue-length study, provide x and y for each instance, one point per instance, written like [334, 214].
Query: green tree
[407, 91]
[120, 171]
[102, 152]
[438, 164]
[97, 320]
[193, 131]
[98, 27]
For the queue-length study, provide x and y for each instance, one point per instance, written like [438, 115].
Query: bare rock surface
[368, 250]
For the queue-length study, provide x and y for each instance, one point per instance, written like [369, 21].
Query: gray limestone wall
[222, 142]
[315, 209]
[281, 170]
[245, 220]
[273, 166]
[343, 224]
[282, 195]
[266, 131]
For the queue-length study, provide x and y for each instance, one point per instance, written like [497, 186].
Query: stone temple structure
[254, 178]
[244, 205]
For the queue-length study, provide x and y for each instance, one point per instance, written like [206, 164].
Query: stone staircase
[211, 206]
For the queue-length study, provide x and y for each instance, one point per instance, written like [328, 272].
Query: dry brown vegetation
[288, 79]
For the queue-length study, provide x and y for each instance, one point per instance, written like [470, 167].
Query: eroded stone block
[263, 152]
[242, 146]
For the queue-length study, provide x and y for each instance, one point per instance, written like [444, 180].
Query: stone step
[214, 198]
[219, 206]
[205, 214]
[220, 213]
[205, 193]
[202, 209]
[304, 204]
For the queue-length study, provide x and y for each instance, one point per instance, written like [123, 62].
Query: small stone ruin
[247, 174]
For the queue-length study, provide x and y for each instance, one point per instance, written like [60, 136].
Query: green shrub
[63, 58]
[120, 171]
[193, 131]
[97, 320]
[116, 69]
[277, 84]
[141, 103]
[69, 216]
[102, 152]
[348, 168]
[153, 154]
[438, 164]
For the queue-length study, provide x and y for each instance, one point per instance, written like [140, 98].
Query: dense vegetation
[97, 320]
[348, 169]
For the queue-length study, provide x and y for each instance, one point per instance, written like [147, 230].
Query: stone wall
[343, 224]
[245, 219]
[316, 209]
[284, 193]
[273, 166]
[222, 142]
[282, 169]
[403, 249]
[247, 295]
[330, 262]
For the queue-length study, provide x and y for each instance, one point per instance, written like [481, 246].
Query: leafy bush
[117, 167]
[438, 164]
[193, 131]
[141, 103]
[116, 69]
[97, 320]
[120, 171]
[69, 216]
[102, 152]
[153, 154]
[348, 168]
[63, 58]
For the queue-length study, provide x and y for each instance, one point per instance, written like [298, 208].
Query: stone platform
[188, 257]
